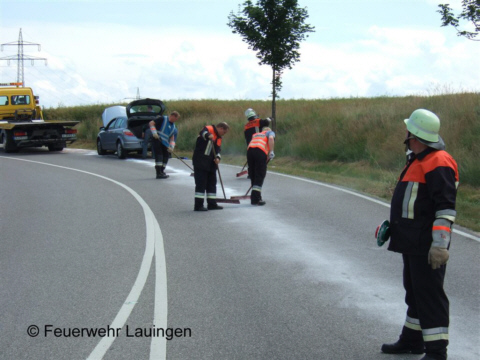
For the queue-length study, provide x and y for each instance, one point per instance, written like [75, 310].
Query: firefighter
[421, 217]
[254, 124]
[206, 158]
[259, 150]
[164, 133]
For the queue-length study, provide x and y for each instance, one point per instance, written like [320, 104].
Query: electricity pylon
[20, 57]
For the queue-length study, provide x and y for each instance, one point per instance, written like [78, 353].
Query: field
[354, 142]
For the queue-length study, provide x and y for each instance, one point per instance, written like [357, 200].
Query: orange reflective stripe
[442, 228]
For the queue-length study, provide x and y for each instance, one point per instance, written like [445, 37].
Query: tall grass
[367, 130]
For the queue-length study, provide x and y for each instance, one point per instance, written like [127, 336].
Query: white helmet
[250, 113]
[425, 125]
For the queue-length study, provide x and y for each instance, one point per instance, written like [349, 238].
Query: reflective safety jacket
[166, 130]
[203, 155]
[260, 140]
[425, 193]
[254, 126]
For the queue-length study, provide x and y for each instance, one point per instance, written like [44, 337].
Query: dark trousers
[257, 170]
[205, 181]
[428, 305]
[161, 153]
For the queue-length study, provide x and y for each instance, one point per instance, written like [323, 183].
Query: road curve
[301, 277]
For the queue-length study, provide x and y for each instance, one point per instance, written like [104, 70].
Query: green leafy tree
[471, 12]
[274, 29]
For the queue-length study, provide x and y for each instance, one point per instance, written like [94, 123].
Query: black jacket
[203, 155]
[426, 191]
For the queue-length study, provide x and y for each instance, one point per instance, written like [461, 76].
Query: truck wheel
[55, 147]
[9, 145]
[100, 150]
[120, 151]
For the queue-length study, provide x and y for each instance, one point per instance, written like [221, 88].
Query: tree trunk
[274, 117]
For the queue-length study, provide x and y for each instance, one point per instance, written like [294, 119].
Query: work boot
[199, 205]
[214, 207]
[163, 172]
[434, 357]
[401, 347]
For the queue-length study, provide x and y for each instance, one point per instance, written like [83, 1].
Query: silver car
[123, 127]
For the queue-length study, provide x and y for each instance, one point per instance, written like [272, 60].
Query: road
[95, 252]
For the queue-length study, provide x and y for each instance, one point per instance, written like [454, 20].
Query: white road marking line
[154, 245]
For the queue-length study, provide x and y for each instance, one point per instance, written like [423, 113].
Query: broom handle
[182, 161]
[218, 169]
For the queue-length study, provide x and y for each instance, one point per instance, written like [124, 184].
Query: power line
[20, 57]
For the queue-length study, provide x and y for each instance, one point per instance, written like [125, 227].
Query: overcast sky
[106, 51]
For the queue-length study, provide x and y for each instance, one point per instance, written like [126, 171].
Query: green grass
[355, 142]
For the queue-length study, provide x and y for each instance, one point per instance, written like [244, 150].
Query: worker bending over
[206, 158]
[259, 150]
[254, 124]
[164, 133]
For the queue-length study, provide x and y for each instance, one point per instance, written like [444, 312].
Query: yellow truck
[22, 123]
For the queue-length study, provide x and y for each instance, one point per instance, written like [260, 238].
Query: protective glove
[155, 134]
[441, 234]
[271, 155]
[437, 256]
[170, 149]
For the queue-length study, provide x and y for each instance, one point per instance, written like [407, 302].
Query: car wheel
[100, 150]
[120, 151]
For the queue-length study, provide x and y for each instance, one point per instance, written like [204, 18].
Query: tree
[274, 29]
[471, 12]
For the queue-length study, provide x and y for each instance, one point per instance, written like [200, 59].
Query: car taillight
[20, 133]
[128, 133]
[70, 131]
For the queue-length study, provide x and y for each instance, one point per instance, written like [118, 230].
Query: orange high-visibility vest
[260, 140]
[216, 139]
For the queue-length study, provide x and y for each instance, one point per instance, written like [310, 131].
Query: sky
[109, 52]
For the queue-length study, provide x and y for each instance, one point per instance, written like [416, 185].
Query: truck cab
[19, 104]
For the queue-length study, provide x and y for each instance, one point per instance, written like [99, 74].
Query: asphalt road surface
[98, 259]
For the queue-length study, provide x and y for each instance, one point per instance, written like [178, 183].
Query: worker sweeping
[164, 133]
[254, 125]
[206, 158]
[259, 151]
